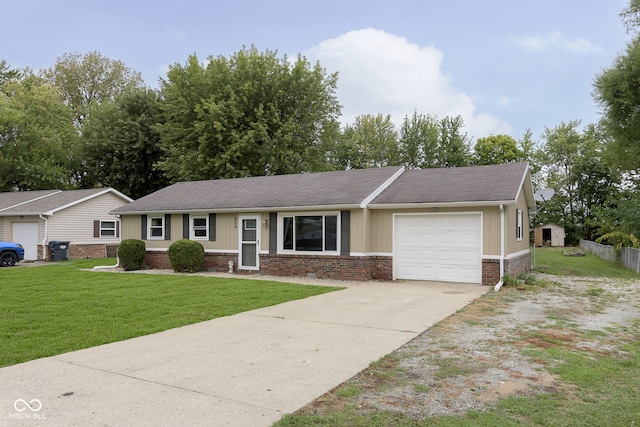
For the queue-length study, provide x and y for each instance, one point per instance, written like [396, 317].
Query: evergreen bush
[131, 254]
[186, 256]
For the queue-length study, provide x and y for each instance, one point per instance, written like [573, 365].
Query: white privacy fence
[629, 257]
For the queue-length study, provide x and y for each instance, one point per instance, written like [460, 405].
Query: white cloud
[384, 73]
[557, 40]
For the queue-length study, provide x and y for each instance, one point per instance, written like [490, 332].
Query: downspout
[46, 236]
[500, 283]
[105, 267]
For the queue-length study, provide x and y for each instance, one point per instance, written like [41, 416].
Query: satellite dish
[543, 194]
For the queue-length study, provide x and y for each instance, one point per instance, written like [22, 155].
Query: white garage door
[438, 247]
[26, 233]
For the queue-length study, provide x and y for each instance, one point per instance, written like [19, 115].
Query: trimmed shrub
[131, 254]
[186, 256]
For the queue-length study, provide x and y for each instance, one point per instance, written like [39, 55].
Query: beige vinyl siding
[512, 245]
[226, 231]
[381, 227]
[75, 223]
[358, 226]
[6, 228]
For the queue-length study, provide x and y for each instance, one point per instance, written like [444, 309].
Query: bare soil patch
[484, 353]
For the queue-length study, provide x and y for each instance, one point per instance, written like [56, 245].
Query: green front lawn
[58, 308]
[552, 261]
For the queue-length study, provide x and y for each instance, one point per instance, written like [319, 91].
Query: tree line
[89, 121]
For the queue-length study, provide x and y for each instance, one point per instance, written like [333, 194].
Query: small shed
[549, 235]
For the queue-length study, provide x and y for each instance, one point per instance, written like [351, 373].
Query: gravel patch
[482, 353]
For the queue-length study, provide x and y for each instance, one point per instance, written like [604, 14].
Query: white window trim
[150, 236]
[280, 230]
[519, 225]
[115, 224]
[192, 234]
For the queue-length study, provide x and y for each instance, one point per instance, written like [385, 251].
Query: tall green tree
[90, 79]
[419, 139]
[38, 142]
[617, 92]
[249, 114]
[453, 146]
[496, 149]
[428, 142]
[575, 167]
[371, 141]
[121, 143]
[7, 73]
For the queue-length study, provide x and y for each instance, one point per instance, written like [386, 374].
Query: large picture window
[310, 233]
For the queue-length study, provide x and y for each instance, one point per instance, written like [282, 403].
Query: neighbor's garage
[438, 247]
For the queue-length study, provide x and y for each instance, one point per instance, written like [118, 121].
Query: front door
[249, 242]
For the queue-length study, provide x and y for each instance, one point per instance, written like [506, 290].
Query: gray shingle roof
[492, 183]
[495, 183]
[14, 198]
[339, 188]
[43, 202]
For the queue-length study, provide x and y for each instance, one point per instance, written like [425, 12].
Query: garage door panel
[440, 247]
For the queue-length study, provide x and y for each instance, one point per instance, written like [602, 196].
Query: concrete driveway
[243, 370]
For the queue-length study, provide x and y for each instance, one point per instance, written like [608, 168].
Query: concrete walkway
[243, 370]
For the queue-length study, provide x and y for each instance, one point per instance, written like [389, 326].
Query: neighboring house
[467, 224]
[81, 217]
[549, 235]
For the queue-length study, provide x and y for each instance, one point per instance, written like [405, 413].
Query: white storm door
[249, 242]
[26, 233]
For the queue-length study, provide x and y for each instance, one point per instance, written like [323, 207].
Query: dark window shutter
[345, 233]
[273, 233]
[117, 228]
[212, 227]
[167, 226]
[96, 228]
[143, 231]
[185, 226]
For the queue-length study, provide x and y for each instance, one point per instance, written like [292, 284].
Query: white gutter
[46, 236]
[500, 283]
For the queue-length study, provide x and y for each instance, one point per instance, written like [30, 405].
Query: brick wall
[513, 266]
[490, 272]
[328, 267]
[516, 266]
[91, 251]
[332, 267]
[84, 251]
[322, 267]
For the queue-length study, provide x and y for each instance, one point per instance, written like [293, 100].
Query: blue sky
[503, 65]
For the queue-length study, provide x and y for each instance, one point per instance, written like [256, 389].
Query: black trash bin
[59, 250]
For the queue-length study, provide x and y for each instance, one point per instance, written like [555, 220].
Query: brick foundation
[332, 267]
[328, 267]
[514, 266]
[322, 267]
[92, 251]
[85, 251]
[490, 272]
[518, 265]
